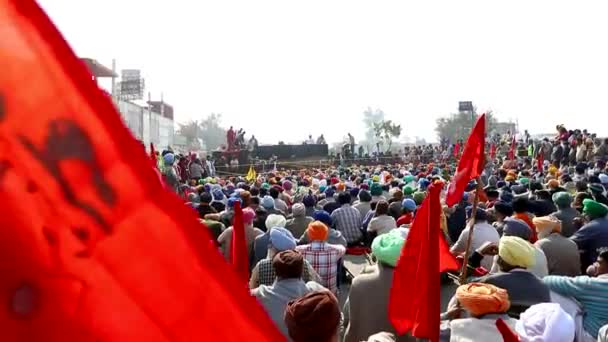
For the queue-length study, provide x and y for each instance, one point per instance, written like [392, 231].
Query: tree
[385, 131]
[211, 132]
[191, 131]
[370, 117]
[457, 126]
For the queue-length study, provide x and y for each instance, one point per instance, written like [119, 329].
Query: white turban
[545, 322]
[274, 220]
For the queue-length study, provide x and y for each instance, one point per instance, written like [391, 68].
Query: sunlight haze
[313, 67]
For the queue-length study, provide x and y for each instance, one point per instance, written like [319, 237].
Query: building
[149, 123]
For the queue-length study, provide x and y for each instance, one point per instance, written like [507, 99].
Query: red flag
[106, 254]
[511, 153]
[414, 303]
[471, 163]
[456, 150]
[540, 162]
[507, 334]
[492, 151]
[240, 259]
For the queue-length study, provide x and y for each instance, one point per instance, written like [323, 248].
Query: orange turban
[553, 183]
[317, 231]
[480, 299]
[340, 187]
[548, 223]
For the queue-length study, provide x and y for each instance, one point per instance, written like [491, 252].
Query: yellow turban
[516, 251]
[480, 299]
[510, 178]
[549, 223]
[552, 169]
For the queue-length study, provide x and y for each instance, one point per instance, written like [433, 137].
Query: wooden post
[471, 224]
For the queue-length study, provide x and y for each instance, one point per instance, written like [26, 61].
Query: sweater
[591, 293]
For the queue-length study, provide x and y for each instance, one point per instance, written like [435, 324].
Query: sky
[313, 67]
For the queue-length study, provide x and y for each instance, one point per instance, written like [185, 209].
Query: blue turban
[323, 216]
[423, 183]
[282, 239]
[309, 201]
[267, 202]
[232, 200]
[408, 204]
[516, 227]
[218, 195]
[169, 159]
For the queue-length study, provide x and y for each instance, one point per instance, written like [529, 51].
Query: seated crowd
[539, 248]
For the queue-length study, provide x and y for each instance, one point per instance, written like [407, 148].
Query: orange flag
[471, 163]
[91, 247]
[414, 304]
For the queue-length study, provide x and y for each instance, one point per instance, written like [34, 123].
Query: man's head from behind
[344, 198]
[288, 264]
[313, 317]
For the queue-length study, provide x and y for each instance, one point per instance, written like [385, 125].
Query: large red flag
[415, 293]
[471, 163]
[91, 247]
[240, 259]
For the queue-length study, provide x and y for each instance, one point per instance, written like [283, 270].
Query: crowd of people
[539, 250]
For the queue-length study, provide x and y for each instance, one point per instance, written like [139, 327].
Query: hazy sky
[314, 66]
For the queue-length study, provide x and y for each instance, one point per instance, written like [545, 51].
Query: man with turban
[515, 256]
[522, 209]
[262, 242]
[565, 213]
[545, 322]
[324, 257]
[593, 235]
[280, 240]
[334, 237]
[483, 232]
[225, 239]
[363, 204]
[347, 220]
[518, 228]
[367, 305]
[590, 292]
[288, 266]
[299, 222]
[485, 303]
[313, 317]
[561, 253]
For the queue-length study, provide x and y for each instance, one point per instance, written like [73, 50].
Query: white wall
[147, 127]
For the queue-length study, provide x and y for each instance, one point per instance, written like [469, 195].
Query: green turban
[387, 248]
[376, 189]
[562, 199]
[265, 186]
[419, 197]
[408, 190]
[594, 209]
[524, 181]
[409, 179]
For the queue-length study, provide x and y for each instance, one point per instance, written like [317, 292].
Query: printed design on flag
[68, 141]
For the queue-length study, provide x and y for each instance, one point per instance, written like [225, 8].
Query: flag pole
[471, 224]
